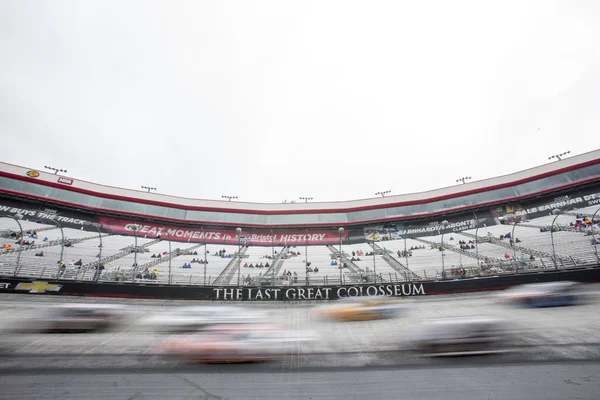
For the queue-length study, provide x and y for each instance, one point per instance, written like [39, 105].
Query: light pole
[555, 212]
[558, 156]
[205, 262]
[148, 188]
[477, 240]
[406, 252]
[20, 243]
[374, 266]
[306, 257]
[512, 236]
[62, 242]
[594, 235]
[229, 197]
[464, 179]
[341, 232]
[56, 170]
[444, 226]
[383, 193]
[96, 225]
[170, 256]
[306, 199]
[238, 231]
[273, 257]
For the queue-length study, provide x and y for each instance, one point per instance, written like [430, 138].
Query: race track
[556, 355]
[528, 382]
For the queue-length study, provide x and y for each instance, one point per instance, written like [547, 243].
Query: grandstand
[489, 252]
[455, 238]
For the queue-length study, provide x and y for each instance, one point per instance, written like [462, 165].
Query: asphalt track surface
[532, 381]
[557, 356]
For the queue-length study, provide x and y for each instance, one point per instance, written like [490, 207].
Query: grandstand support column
[170, 256]
[306, 258]
[477, 240]
[556, 213]
[444, 226]
[134, 228]
[62, 235]
[204, 280]
[594, 235]
[341, 266]
[374, 267]
[239, 234]
[272, 257]
[513, 240]
[405, 252]
[98, 270]
[20, 243]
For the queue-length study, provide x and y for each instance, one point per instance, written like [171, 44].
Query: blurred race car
[552, 294]
[191, 319]
[461, 337]
[75, 318]
[360, 309]
[233, 344]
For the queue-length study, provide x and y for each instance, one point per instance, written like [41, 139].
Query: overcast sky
[272, 100]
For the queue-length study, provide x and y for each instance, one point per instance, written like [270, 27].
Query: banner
[223, 236]
[514, 212]
[45, 215]
[397, 230]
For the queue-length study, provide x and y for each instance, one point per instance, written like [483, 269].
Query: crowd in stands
[146, 274]
[405, 253]
[159, 255]
[266, 265]
[223, 254]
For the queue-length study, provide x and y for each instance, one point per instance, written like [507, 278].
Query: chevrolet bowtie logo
[38, 287]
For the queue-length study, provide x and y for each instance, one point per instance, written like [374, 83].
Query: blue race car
[552, 294]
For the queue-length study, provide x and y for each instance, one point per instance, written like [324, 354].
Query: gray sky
[271, 100]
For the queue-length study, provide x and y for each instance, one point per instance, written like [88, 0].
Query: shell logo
[33, 174]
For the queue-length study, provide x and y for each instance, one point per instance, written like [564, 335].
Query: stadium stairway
[106, 260]
[56, 242]
[177, 252]
[275, 266]
[498, 242]
[356, 271]
[456, 249]
[228, 273]
[402, 269]
[566, 261]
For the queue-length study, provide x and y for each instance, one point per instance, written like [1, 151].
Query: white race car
[461, 336]
[193, 318]
[74, 318]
